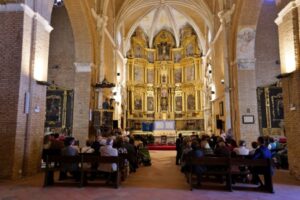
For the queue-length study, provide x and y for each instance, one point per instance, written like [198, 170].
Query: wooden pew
[79, 161]
[228, 163]
[91, 158]
[51, 167]
[264, 165]
[220, 166]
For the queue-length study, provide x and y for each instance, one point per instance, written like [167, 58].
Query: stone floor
[162, 180]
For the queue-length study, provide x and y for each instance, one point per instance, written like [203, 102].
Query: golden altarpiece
[165, 82]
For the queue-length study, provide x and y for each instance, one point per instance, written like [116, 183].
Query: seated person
[262, 152]
[196, 152]
[88, 147]
[221, 149]
[254, 146]
[107, 151]
[132, 154]
[206, 148]
[187, 147]
[69, 150]
[241, 150]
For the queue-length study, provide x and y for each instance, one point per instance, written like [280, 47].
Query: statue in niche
[189, 50]
[164, 104]
[138, 52]
[164, 92]
[150, 104]
[163, 78]
[164, 99]
[178, 102]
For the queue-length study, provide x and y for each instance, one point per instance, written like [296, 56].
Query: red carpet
[161, 147]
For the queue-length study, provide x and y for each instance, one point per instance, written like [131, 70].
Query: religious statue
[164, 104]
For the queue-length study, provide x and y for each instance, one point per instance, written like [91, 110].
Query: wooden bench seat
[219, 166]
[229, 167]
[54, 163]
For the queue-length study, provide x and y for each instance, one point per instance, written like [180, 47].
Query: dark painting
[270, 108]
[59, 109]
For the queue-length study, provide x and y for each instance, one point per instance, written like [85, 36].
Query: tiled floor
[161, 181]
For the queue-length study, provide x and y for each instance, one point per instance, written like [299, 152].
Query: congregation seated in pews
[217, 160]
[109, 158]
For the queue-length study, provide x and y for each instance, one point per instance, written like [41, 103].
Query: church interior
[154, 70]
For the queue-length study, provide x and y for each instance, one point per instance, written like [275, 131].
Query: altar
[164, 131]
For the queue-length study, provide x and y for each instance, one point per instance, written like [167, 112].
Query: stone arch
[77, 11]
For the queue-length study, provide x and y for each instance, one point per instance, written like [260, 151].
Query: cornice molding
[286, 10]
[21, 7]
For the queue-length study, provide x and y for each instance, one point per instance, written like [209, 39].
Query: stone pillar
[24, 49]
[82, 91]
[288, 28]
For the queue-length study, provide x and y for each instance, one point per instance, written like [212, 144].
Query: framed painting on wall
[178, 103]
[191, 102]
[178, 75]
[177, 56]
[138, 103]
[150, 76]
[248, 119]
[190, 73]
[151, 57]
[138, 74]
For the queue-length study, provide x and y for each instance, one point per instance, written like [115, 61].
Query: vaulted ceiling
[154, 15]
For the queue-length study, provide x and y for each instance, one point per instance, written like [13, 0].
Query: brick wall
[288, 27]
[291, 95]
[24, 49]
[10, 70]
[36, 117]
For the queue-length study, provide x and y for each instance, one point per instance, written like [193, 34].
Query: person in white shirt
[241, 150]
[108, 150]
